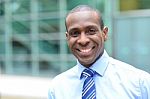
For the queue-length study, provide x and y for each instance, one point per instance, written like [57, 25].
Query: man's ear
[67, 36]
[105, 33]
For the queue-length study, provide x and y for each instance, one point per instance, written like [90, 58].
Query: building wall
[131, 39]
[131, 33]
[32, 36]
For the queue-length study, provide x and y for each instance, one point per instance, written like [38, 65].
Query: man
[96, 75]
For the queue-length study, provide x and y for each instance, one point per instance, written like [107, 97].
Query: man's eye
[92, 31]
[74, 33]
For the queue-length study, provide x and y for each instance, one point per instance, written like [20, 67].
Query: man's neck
[95, 60]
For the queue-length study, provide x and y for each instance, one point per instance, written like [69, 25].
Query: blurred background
[33, 47]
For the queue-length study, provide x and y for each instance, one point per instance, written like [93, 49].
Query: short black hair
[86, 8]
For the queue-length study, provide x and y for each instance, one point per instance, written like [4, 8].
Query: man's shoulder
[127, 69]
[123, 65]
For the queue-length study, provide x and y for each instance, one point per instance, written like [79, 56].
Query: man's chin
[86, 63]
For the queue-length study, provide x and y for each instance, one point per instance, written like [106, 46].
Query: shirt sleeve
[51, 94]
[145, 85]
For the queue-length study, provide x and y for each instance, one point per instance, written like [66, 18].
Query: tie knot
[88, 73]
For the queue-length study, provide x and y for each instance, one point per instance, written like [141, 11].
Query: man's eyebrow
[91, 26]
[72, 29]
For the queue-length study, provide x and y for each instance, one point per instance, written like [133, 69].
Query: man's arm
[145, 85]
[50, 94]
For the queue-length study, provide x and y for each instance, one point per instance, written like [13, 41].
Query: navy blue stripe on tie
[88, 91]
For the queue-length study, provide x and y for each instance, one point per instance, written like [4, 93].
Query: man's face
[85, 37]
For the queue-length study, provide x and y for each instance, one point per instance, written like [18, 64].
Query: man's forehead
[82, 18]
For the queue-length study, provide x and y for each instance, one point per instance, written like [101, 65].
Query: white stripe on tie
[89, 91]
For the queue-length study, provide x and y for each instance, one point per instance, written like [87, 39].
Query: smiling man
[85, 35]
[96, 75]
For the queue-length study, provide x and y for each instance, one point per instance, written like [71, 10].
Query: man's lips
[85, 50]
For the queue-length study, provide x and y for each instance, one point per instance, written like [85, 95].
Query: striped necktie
[89, 90]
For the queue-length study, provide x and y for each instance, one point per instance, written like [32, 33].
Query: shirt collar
[99, 66]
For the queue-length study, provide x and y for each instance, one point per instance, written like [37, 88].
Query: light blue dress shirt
[114, 80]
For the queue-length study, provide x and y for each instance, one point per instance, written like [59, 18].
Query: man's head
[86, 8]
[85, 34]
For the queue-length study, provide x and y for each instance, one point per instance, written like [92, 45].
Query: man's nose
[83, 39]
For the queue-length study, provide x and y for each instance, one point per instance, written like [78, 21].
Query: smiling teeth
[85, 51]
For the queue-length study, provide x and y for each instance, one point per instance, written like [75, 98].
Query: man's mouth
[86, 50]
